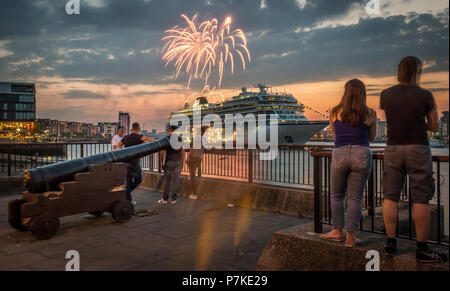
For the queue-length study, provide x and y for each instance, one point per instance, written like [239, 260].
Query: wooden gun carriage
[92, 185]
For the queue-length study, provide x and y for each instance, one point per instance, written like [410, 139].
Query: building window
[22, 88]
[26, 98]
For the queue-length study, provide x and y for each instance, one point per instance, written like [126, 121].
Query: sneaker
[173, 202]
[430, 257]
[193, 197]
[390, 248]
[162, 201]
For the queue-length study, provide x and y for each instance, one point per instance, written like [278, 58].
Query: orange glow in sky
[151, 105]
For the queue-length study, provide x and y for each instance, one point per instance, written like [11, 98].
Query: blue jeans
[133, 179]
[172, 170]
[350, 169]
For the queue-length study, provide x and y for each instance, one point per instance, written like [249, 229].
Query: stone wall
[11, 185]
[289, 201]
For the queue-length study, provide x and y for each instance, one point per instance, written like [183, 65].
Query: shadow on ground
[191, 235]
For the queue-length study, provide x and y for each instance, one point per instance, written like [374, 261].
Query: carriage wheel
[122, 211]
[44, 226]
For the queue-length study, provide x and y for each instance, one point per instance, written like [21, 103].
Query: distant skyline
[88, 67]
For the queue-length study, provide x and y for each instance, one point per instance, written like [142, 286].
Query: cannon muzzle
[48, 178]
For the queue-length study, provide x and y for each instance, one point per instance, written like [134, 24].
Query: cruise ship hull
[293, 134]
[299, 134]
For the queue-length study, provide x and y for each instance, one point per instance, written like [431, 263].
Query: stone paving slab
[191, 235]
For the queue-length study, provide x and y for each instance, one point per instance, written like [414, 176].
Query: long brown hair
[353, 108]
[409, 71]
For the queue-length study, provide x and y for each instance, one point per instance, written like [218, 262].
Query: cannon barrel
[48, 178]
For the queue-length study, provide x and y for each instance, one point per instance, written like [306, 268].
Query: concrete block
[294, 249]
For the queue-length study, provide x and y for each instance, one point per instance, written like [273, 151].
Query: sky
[87, 67]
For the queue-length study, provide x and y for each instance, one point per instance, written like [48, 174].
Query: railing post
[438, 202]
[200, 170]
[82, 150]
[370, 192]
[159, 162]
[250, 166]
[371, 197]
[317, 194]
[9, 160]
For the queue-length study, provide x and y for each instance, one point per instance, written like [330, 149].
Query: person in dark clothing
[194, 161]
[134, 170]
[173, 162]
[410, 112]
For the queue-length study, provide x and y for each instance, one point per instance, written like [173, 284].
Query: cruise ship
[293, 127]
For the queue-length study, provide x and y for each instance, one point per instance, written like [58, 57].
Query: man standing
[410, 112]
[117, 138]
[134, 170]
[194, 162]
[173, 162]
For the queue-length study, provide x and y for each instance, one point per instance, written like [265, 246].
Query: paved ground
[192, 235]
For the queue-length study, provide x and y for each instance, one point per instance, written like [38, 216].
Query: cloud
[118, 43]
[4, 52]
[83, 94]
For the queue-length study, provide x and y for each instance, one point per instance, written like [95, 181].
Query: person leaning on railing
[134, 171]
[194, 161]
[115, 141]
[410, 112]
[353, 124]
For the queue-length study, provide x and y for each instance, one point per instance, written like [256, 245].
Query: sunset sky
[88, 67]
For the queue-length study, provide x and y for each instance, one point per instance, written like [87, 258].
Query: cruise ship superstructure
[293, 127]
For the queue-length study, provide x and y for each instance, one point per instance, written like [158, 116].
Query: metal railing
[371, 220]
[17, 157]
[292, 167]
[299, 166]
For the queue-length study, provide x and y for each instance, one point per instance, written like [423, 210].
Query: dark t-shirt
[132, 140]
[173, 154]
[406, 108]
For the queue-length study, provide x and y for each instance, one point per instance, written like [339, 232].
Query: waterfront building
[125, 121]
[17, 109]
[44, 124]
[108, 128]
[75, 128]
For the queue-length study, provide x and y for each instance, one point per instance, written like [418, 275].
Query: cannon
[93, 184]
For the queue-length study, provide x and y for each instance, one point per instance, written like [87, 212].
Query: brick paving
[191, 235]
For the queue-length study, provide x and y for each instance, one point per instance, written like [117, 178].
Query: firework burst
[199, 47]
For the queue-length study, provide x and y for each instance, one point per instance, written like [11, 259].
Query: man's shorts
[415, 161]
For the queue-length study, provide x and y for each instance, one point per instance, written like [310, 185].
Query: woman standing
[354, 125]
